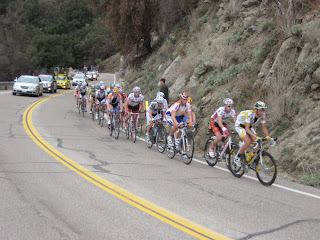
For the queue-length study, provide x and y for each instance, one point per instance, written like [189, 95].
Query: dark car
[49, 83]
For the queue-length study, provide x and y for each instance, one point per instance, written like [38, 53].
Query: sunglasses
[229, 106]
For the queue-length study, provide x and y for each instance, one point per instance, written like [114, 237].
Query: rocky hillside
[247, 50]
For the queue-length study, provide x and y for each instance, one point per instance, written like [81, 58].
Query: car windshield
[80, 76]
[28, 79]
[61, 78]
[47, 78]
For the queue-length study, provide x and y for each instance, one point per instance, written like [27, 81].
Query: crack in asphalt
[98, 167]
[278, 229]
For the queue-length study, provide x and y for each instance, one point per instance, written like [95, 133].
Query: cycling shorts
[170, 121]
[214, 126]
[242, 131]
[134, 109]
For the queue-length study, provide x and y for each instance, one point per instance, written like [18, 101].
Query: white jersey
[155, 108]
[249, 117]
[83, 90]
[134, 101]
[179, 109]
[101, 95]
[221, 112]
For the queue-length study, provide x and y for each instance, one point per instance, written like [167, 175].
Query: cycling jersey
[101, 95]
[249, 117]
[114, 101]
[155, 108]
[179, 109]
[221, 112]
[83, 91]
[92, 93]
[134, 101]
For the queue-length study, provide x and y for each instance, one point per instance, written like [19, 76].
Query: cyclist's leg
[149, 121]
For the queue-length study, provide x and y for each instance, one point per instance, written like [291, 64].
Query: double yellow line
[150, 208]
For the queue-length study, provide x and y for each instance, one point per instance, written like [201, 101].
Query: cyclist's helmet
[159, 99]
[161, 94]
[84, 84]
[184, 95]
[112, 85]
[115, 90]
[260, 105]
[136, 89]
[97, 86]
[101, 83]
[102, 87]
[189, 100]
[92, 86]
[118, 85]
[228, 101]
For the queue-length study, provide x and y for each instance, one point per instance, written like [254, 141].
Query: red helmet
[184, 95]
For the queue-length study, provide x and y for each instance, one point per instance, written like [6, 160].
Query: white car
[78, 78]
[26, 84]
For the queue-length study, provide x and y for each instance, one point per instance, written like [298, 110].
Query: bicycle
[101, 115]
[81, 106]
[139, 125]
[223, 149]
[114, 124]
[185, 146]
[93, 110]
[158, 136]
[262, 163]
[131, 128]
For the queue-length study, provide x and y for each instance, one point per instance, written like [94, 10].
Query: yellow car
[63, 81]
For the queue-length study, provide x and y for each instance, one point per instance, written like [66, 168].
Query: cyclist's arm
[126, 105]
[108, 104]
[264, 129]
[121, 104]
[173, 115]
[248, 130]
[141, 106]
[220, 122]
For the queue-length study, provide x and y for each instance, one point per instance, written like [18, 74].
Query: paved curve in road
[42, 198]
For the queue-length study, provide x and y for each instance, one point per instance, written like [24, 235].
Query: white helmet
[161, 94]
[84, 84]
[101, 82]
[260, 105]
[136, 89]
[118, 85]
[159, 99]
[102, 87]
[228, 101]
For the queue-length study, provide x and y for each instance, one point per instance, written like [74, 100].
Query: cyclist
[217, 124]
[83, 96]
[110, 89]
[114, 102]
[134, 103]
[245, 121]
[165, 103]
[92, 95]
[175, 114]
[155, 111]
[76, 93]
[100, 99]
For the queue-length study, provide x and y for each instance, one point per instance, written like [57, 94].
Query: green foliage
[239, 36]
[269, 26]
[311, 180]
[296, 30]
[281, 128]
[263, 52]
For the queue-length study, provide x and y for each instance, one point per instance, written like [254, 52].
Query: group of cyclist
[180, 112]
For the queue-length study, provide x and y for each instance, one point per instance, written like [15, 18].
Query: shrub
[311, 180]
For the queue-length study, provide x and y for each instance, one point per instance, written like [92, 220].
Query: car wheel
[37, 94]
[13, 93]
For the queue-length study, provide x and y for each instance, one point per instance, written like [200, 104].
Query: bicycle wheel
[266, 169]
[133, 133]
[171, 149]
[101, 118]
[82, 108]
[233, 167]
[161, 139]
[128, 131]
[149, 141]
[187, 149]
[111, 125]
[212, 161]
[116, 128]
[139, 126]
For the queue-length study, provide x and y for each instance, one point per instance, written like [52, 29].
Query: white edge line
[252, 178]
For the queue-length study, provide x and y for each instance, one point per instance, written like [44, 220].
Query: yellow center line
[140, 203]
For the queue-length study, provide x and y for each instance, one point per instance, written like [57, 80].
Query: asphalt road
[84, 184]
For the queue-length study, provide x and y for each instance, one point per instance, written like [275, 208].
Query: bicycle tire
[139, 126]
[210, 161]
[116, 128]
[111, 125]
[263, 172]
[133, 134]
[187, 154]
[149, 141]
[128, 131]
[161, 139]
[233, 167]
[101, 118]
[82, 108]
[171, 150]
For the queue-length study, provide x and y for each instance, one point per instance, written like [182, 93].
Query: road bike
[114, 127]
[131, 128]
[185, 147]
[93, 110]
[139, 125]
[222, 150]
[262, 163]
[81, 106]
[101, 115]
[157, 135]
